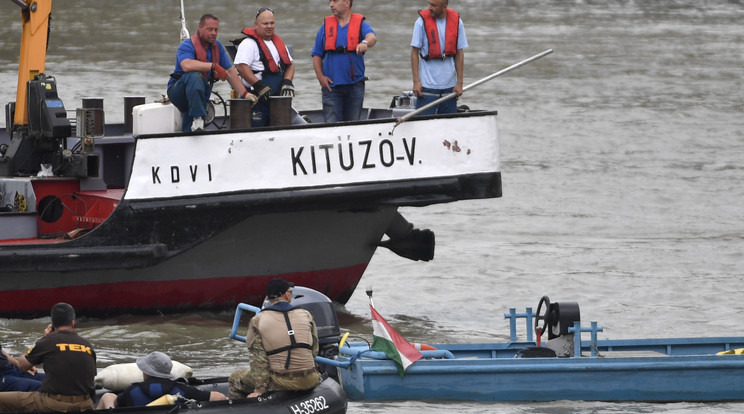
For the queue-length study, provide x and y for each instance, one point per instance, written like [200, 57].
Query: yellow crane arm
[35, 16]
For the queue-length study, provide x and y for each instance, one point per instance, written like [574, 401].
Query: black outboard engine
[326, 322]
[556, 320]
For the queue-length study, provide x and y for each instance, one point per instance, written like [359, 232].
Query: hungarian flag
[389, 341]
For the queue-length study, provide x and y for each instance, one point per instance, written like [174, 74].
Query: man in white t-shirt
[437, 56]
[264, 63]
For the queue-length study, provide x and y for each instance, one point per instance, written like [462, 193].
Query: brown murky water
[622, 170]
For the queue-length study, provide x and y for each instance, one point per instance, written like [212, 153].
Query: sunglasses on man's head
[263, 9]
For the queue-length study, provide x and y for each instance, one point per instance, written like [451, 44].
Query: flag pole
[369, 293]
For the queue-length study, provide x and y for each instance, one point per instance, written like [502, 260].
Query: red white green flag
[389, 341]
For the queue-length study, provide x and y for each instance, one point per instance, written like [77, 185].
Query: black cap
[277, 287]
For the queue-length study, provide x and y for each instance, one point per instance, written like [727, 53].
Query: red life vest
[432, 34]
[201, 53]
[266, 57]
[331, 30]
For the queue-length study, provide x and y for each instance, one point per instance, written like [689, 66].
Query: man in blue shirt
[13, 379]
[338, 60]
[437, 56]
[200, 61]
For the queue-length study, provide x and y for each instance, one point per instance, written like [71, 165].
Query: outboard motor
[326, 322]
[556, 319]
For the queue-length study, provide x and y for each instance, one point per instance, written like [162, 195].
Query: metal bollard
[280, 110]
[240, 113]
[129, 103]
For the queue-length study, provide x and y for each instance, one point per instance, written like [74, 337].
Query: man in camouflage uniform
[282, 345]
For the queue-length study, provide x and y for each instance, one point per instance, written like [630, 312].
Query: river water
[622, 163]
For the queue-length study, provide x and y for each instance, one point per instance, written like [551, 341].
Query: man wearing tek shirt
[70, 366]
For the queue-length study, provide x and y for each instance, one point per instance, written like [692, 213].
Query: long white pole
[472, 85]
[184, 31]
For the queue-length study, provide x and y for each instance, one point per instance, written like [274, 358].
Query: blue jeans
[13, 379]
[190, 95]
[262, 108]
[343, 102]
[430, 95]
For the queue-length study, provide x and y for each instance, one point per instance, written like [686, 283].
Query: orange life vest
[266, 57]
[201, 53]
[432, 34]
[354, 33]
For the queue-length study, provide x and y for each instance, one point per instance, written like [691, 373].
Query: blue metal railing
[513, 316]
[236, 321]
[576, 329]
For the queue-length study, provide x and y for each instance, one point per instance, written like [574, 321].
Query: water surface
[621, 159]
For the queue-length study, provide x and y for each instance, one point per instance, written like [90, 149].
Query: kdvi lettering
[175, 173]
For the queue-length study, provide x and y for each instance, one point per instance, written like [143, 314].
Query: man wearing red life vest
[200, 61]
[264, 62]
[338, 60]
[437, 56]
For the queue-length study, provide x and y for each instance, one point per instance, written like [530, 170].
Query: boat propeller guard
[407, 241]
[416, 245]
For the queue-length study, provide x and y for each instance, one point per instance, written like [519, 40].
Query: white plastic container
[155, 118]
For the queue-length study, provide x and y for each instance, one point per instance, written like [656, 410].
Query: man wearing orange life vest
[338, 60]
[263, 61]
[200, 61]
[437, 56]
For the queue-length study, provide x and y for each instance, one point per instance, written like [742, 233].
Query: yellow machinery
[35, 15]
[37, 121]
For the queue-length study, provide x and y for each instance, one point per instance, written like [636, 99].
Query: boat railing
[356, 352]
[577, 329]
[236, 321]
[528, 316]
[368, 353]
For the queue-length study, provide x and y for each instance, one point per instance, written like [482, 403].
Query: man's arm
[289, 71]
[371, 39]
[193, 65]
[459, 67]
[23, 364]
[257, 359]
[216, 396]
[234, 80]
[417, 89]
[316, 342]
[246, 73]
[325, 81]
[362, 47]
[12, 360]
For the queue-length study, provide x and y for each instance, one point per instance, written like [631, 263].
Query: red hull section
[163, 296]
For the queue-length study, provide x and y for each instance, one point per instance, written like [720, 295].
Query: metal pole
[184, 30]
[369, 293]
[472, 85]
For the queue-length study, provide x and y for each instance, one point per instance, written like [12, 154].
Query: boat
[327, 398]
[138, 217]
[565, 367]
